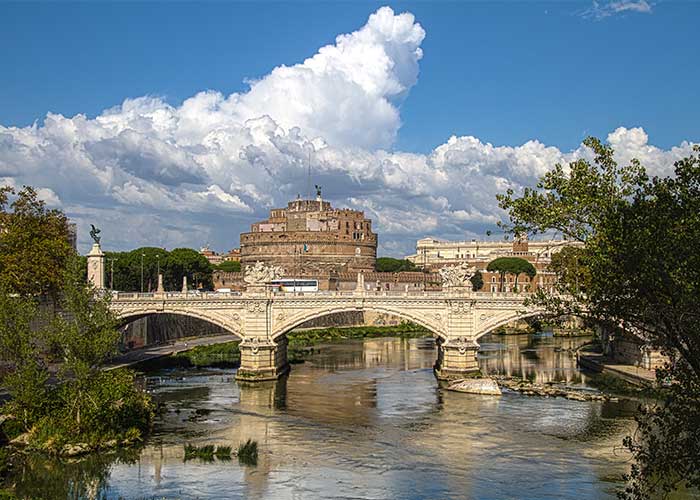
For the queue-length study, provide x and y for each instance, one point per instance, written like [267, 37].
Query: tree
[391, 265]
[477, 281]
[34, 243]
[52, 351]
[173, 266]
[186, 262]
[511, 265]
[79, 402]
[638, 270]
[229, 266]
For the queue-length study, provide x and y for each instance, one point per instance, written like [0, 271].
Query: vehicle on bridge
[294, 285]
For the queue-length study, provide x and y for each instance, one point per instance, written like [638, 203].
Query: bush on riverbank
[61, 400]
[225, 355]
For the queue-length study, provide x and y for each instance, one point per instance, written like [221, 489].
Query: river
[367, 419]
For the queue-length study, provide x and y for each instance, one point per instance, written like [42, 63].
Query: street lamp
[111, 273]
[158, 263]
[142, 256]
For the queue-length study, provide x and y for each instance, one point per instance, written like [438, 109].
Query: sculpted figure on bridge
[458, 275]
[260, 273]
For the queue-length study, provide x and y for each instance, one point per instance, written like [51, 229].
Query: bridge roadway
[261, 318]
[136, 356]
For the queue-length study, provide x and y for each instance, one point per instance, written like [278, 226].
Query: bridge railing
[196, 295]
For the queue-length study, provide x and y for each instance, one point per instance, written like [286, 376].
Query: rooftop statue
[94, 234]
[318, 190]
[260, 273]
[457, 275]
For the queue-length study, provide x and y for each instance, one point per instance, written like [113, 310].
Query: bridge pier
[262, 360]
[456, 359]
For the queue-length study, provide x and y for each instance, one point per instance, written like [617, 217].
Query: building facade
[311, 238]
[432, 254]
[216, 258]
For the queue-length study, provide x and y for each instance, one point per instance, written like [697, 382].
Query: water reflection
[367, 419]
[540, 357]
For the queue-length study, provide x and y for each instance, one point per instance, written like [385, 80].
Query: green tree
[511, 265]
[81, 402]
[477, 281]
[186, 262]
[391, 265]
[24, 354]
[55, 335]
[638, 270]
[229, 266]
[34, 243]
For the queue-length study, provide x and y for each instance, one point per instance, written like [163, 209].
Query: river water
[367, 419]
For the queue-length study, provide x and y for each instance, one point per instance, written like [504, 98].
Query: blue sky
[503, 71]
[498, 73]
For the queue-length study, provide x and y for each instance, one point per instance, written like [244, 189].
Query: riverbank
[630, 374]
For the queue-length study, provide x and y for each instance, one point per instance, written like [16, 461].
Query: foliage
[477, 281]
[34, 244]
[247, 453]
[24, 352]
[229, 266]
[391, 265]
[77, 402]
[569, 264]
[223, 452]
[511, 265]
[186, 262]
[173, 266]
[41, 476]
[638, 270]
[108, 406]
[226, 355]
[207, 452]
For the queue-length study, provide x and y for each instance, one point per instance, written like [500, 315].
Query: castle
[310, 237]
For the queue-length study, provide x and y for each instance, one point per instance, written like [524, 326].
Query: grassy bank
[206, 356]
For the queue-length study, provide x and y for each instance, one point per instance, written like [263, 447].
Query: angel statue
[94, 234]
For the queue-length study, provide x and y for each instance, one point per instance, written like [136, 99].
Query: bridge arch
[505, 318]
[284, 326]
[228, 324]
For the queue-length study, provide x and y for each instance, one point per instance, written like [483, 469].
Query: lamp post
[158, 263]
[142, 256]
[111, 273]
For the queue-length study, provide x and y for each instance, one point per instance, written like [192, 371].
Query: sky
[179, 124]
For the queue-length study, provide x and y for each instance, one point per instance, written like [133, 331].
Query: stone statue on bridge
[456, 276]
[259, 274]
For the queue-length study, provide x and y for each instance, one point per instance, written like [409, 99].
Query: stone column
[161, 289]
[262, 360]
[184, 284]
[456, 359]
[360, 285]
[96, 267]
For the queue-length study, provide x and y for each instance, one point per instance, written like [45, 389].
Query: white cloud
[600, 10]
[149, 173]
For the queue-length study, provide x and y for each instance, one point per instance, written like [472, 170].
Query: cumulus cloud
[150, 173]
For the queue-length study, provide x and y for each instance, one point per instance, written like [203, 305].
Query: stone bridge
[262, 318]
